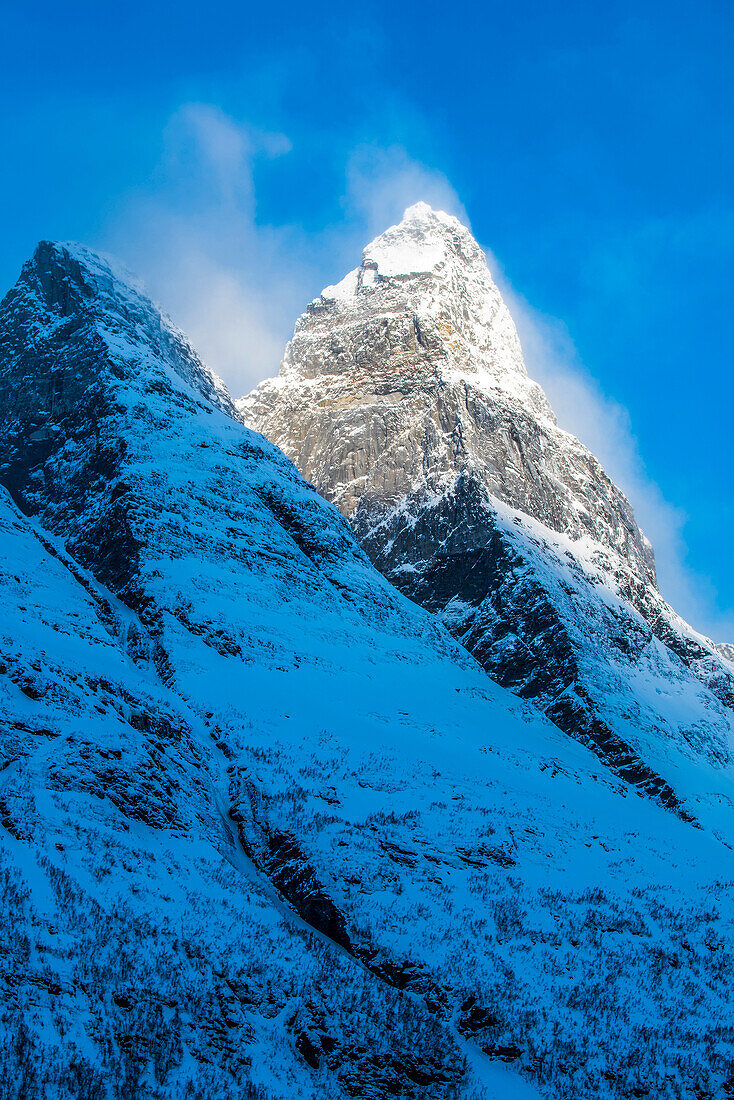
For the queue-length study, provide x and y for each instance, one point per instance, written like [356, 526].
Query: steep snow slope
[145, 956]
[404, 398]
[476, 884]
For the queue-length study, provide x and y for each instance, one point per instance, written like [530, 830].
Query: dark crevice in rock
[278, 856]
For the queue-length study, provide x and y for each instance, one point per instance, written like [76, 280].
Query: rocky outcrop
[409, 373]
[404, 398]
[72, 333]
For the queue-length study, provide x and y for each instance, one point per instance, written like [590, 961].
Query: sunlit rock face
[403, 397]
[409, 374]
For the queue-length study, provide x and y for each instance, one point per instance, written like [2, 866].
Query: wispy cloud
[236, 286]
[382, 182]
[233, 285]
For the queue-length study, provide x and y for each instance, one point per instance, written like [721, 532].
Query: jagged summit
[420, 333]
[421, 211]
[69, 278]
[424, 240]
[66, 287]
[84, 357]
[433, 309]
[75, 264]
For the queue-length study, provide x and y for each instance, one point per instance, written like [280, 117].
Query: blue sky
[239, 156]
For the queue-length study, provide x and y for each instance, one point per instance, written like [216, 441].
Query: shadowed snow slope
[404, 398]
[268, 829]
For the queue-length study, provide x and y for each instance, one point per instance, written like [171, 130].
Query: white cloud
[206, 148]
[237, 286]
[383, 182]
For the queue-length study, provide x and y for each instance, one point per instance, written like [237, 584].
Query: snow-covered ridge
[68, 279]
[267, 828]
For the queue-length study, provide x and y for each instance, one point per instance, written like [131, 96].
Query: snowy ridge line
[444, 825]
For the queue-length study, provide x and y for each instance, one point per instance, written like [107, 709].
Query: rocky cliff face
[409, 373]
[404, 398]
[266, 828]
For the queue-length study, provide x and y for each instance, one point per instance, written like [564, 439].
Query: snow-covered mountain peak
[423, 211]
[70, 278]
[425, 293]
[426, 240]
[69, 260]
[65, 283]
[409, 374]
